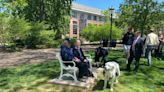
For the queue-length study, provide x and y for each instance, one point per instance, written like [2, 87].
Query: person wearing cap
[151, 43]
[136, 51]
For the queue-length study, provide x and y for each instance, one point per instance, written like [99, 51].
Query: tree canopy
[33, 22]
[140, 14]
[52, 12]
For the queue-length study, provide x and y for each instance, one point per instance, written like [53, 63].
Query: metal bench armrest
[71, 62]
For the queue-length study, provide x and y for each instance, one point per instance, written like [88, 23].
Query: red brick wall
[71, 35]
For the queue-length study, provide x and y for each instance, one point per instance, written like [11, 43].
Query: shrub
[13, 32]
[40, 37]
[18, 33]
[97, 33]
[47, 37]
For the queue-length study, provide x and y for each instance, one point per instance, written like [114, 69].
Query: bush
[97, 33]
[47, 38]
[33, 36]
[21, 33]
[40, 37]
[13, 32]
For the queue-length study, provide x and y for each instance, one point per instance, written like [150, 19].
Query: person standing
[127, 42]
[136, 51]
[151, 44]
[161, 44]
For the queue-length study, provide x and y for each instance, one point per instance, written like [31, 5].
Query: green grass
[31, 78]
[35, 77]
[148, 79]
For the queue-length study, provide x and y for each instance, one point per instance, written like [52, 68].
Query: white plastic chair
[71, 71]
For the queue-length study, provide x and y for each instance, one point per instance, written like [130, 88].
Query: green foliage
[33, 36]
[18, 33]
[4, 34]
[52, 12]
[18, 28]
[13, 30]
[40, 37]
[12, 6]
[33, 23]
[97, 33]
[140, 14]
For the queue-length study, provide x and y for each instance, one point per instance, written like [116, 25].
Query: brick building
[81, 17]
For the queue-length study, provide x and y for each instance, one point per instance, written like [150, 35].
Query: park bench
[70, 71]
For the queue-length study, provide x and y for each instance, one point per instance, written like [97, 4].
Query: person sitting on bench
[67, 55]
[78, 52]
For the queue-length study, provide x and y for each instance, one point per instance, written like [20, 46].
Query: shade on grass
[148, 79]
[35, 77]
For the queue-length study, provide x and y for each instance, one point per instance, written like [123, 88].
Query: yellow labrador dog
[112, 72]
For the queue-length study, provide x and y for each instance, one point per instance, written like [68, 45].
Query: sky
[102, 4]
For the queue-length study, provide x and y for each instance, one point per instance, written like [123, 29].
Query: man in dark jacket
[127, 42]
[78, 53]
[136, 51]
[66, 51]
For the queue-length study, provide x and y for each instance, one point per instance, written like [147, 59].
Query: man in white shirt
[151, 43]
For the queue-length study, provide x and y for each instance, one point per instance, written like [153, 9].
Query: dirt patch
[8, 59]
[26, 57]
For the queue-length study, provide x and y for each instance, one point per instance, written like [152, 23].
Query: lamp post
[111, 10]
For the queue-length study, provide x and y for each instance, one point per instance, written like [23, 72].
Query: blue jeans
[149, 50]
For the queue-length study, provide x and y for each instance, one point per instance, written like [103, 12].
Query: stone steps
[88, 84]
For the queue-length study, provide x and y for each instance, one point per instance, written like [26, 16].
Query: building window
[74, 14]
[74, 27]
[89, 17]
[100, 18]
[82, 16]
[95, 18]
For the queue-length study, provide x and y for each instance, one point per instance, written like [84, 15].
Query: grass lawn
[34, 78]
